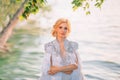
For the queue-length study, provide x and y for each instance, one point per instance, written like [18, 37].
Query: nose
[63, 29]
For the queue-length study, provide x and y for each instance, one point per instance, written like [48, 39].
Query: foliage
[7, 10]
[85, 4]
[9, 7]
[33, 6]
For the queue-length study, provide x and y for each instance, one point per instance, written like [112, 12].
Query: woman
[61, 60]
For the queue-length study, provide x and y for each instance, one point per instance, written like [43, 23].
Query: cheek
[66, 31]
[59, 30]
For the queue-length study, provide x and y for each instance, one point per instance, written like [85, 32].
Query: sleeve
[80, 66]
[46, 59]
[74, 47]
[78, 58]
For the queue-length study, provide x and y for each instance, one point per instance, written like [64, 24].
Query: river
[98, 36]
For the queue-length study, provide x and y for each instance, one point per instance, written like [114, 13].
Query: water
[98, 36]
[23, 61]
[99, 53]
[100, 57]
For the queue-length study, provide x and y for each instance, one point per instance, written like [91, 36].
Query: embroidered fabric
[52, 49]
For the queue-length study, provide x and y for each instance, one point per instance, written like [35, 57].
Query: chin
[63, 36]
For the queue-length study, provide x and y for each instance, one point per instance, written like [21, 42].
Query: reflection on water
[99, 52]
[23, 61]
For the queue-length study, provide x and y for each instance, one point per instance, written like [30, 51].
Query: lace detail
[52, 49]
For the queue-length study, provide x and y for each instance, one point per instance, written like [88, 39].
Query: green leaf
[84, 8]
[97, 5]
[88, 12]
[87, 5]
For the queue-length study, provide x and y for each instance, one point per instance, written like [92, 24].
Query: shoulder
[48, 46]
[74, 45]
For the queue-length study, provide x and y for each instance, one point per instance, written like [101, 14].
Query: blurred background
[98, 35]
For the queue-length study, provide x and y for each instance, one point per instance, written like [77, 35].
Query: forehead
[63, 24]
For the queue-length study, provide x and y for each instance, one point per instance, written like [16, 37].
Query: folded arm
[66, 69]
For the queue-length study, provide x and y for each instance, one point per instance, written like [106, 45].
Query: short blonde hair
[58, 22]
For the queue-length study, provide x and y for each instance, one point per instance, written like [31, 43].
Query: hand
[53, 70]
[67, 72]
[51, 73]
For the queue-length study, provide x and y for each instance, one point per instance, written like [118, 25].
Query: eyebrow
[63, 26]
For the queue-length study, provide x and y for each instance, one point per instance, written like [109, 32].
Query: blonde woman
[61, 61]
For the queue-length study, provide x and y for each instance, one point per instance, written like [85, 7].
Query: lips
[63, 33]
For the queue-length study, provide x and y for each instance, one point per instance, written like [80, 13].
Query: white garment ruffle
[52, 48]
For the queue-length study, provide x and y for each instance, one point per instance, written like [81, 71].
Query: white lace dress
[53, 49]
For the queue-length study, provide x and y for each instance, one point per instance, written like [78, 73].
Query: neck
[59, 39]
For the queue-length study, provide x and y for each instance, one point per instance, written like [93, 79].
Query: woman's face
[62, 30]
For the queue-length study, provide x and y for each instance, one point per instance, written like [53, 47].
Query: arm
[70, 67]
[68, 72]
[66, 69]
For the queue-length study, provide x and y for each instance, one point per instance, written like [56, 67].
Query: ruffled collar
[57, 47]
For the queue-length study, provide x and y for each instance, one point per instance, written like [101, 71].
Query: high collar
[57, 46]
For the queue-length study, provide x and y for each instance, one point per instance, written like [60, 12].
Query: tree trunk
[7, 31]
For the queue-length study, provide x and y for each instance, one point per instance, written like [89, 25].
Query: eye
[65, 28]
[60, 27]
